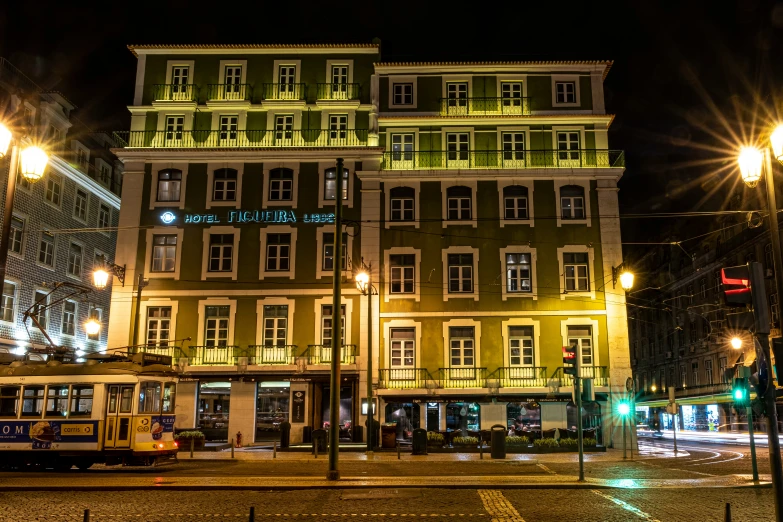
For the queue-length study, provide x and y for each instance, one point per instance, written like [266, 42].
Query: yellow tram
[109, 409]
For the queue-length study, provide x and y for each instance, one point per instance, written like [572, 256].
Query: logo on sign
[168, 217]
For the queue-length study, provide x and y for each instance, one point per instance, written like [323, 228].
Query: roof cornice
[587, 65]
[253, 48]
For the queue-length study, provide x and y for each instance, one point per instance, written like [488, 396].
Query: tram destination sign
[246, 216]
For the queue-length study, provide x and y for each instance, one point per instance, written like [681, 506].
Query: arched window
[169, 184]
[458, 200]
[572, 202]
[224, 185]
[330, 183]
[402, 201]
[515, 202]
[281, 184]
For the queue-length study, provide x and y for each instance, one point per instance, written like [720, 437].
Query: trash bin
[389, 436]
[319, 439]
[307, 434]
[419, 441]
[357, 433]
[285, 434]
[498, 441]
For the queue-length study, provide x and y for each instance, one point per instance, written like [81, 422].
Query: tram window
[169, 392]
[149, 397]
[9, 401]
[57, 401]
[32, 401]
[81, 401]
[126, 399]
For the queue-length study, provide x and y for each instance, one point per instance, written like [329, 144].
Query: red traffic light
[569, 352]
[736, 285]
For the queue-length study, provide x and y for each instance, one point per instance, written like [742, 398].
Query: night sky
[686, 77]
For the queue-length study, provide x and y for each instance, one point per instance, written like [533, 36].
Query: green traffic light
[739, 394]
[623, 409]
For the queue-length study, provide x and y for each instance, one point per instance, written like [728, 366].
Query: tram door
[119, 416]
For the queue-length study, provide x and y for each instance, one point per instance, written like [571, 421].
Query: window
[158, 325]
[768, 258]
[328, 257]
[690, 294]
[175, 127]
[774, 309]
[520, 346]
[402, 147]
[221, 252]
[281, 184]
[461, 346]
[149, 397]
[228, 128]
[402, 272]
[97, 313]
[518, 273]
[286, 79]
[458, 201]
[402, 201]
[703, 287]
[17, 233]
[105, 173]
[81, 400]
[515, 199]
[572, 202]
[568, 147]
[330, 183]
[104, 216]
[179, 78]
[327, 325]
[40, 299]
[284, 127]
[69, 318]
[722, 362]
[55, 135]
[164, 253]
[708, 371]
[75, 260]
[169, 396]
[57, 401]
[577, 274]
[339, 80]
[457, 94]
[46, 249]
[9, 401]
[692, 332]
[402, 94]
[32, 401]
[457, 148]
[224, 185]
[216, 326]
[23, 182]
[511, 92]
[278, 251]
[338, 126]
[232, 80]
[80, 205]
[460, 273]
[275, 325]
[695, 373]
[53, 189]
[565, 92]
[169, 184]
[8, 302]
[513, 148]
[581, 337]
[403, 347]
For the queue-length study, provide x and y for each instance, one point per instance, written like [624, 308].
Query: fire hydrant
[239, 439]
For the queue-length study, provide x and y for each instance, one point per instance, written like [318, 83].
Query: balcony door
[458, 149]
[179, 82]
[457, 98]
[175, 126]
[233, 78]
[228, 130]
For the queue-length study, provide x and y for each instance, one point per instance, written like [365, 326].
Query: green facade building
[483, 197]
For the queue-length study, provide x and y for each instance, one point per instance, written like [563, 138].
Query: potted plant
[517, 442]
[465, 441]
[435, 439]
[186, 439]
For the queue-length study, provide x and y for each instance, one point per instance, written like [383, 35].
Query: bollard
[727, 517]
[274, 449]
[86, 515]
[398, 451]
[232, 448]
[316, 449]
[192, 443]
[252, 514]
[481, 450]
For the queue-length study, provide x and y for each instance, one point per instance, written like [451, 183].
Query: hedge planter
[186, 439]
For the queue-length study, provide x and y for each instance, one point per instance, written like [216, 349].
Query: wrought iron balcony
[284, 91]
[338, 91]
[233, 91]
[463, 377]
[170, 351]
[242, 138]
[213, 355]
[175, 92]
[484, 106]
[520, 376]
[503, 159]
[322, 354]
[404, 378]
[599, 374]
[271, 355]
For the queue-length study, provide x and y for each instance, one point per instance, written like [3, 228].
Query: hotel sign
[248, 216]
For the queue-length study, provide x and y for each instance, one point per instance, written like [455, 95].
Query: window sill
[460, 295]
[277, 273]
[408, 296]
[390, 223]
[565, 221]
[527, 222]
[460, 222]
[45, 267]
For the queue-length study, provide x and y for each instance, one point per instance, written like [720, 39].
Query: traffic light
[739, 391]
[736, 286]
[623, 408]
[569, 360]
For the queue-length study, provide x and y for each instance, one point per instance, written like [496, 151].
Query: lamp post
[753, 163]
[93, 325]
[100, 279]
[364, 284]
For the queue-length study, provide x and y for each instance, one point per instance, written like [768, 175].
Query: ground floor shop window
[405, 417]
[214, 400]
[700, 417]
[463, 416]
[433, 416]
[272, 400]
[346, 412]
[524, 418]
[591, 420]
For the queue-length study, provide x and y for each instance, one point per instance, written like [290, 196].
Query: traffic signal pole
[572, 366]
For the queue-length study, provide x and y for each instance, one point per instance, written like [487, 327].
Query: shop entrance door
[119, 415]
[346, 411]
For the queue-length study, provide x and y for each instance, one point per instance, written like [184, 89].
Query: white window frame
[347, 302]
[235, 63]
[457, 78]
[278, 229]
[444, 143]
[268, 167]
[511, 78]
[275, 301]
[211, 168]
[416, 186]
[68, 273]
[205, 273]
[416, 295]
[77, 147]
[388, 326]
[55, 242]
[24, 218]
[47, 312]
[444, 186]
[514, 130]
[556, 78]
[476, 341]
[521, 321]
[529, 185]
[445, 268]
[170, 231]
[533, 272]
[156, 167]
[155, 303]
[99, 164]
[582, 321]
[202, 315]
[319, 271]
[352, 180]
[75, 318]
[585, 184]
[15, 310]
[403, 79]
[79, 188]
[577, 249]
[59, 180]
[170, 64]
[98, 218]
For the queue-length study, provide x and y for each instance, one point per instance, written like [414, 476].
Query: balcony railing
[175, 92]
[170, 351]
[338, 91]
[242, 138]
[322, 354]
[500, 159]
[284, 91]
[404, 378]
[463, 377]
[268, 355]
[233, 91]
[213, 355]
[599, 374]
[484, 106]
[520, 376]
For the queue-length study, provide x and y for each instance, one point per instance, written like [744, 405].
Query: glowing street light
[92, 326]
[624, 408]
[362, 280]
[736, 343]
[750, 160]
[776, 142]
[5, 140]
[34, 161]
[626, 280]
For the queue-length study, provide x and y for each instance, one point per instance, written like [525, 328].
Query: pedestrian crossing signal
[736, 286]
[739, 391]
[569, 360]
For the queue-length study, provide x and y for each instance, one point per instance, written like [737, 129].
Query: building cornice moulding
[248, 155]
[69, 171]
[255, 49]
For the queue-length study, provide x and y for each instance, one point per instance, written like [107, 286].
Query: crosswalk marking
[498, 506]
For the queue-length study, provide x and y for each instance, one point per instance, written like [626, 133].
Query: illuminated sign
[168, 217]
[249, 216]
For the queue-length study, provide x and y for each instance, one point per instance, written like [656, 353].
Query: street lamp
[364, 284]
[624, 408]
[736, 343]
[619, 273]
[93, 325]
[100, 276]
